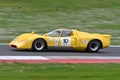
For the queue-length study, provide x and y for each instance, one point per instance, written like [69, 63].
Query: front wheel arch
[45, 48]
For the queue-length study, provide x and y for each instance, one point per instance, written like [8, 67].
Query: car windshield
[54, 33]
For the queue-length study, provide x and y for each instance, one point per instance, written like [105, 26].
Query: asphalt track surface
[59, 55]
[5, 50]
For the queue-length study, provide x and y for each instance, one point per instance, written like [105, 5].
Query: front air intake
[14, 46]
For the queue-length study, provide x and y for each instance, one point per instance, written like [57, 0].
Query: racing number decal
[66, 41]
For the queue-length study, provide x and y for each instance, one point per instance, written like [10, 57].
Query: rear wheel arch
[94, 41]
[101, 45]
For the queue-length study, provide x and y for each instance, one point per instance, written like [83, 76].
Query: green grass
[20, 71]
[42, 16]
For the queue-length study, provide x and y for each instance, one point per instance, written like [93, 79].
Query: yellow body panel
[78, 40]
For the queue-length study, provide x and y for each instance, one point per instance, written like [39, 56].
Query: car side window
[55, 33]
[66, 33]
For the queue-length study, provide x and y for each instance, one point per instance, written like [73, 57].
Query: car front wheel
[39, 45]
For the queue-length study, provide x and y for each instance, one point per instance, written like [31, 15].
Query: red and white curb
[60, 59]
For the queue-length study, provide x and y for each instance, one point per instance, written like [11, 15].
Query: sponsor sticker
[85, 41]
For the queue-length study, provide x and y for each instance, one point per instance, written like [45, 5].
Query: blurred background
[41, 16]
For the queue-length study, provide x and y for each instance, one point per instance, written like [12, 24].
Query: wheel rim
[94, 47]
[39, 45]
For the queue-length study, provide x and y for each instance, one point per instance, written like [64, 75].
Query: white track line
[23, 58]
[83, 57]
[57, 57]
[114, 45]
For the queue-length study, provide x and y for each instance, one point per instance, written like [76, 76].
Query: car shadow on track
[56, 49]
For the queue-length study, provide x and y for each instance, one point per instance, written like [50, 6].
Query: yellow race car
[81, 41]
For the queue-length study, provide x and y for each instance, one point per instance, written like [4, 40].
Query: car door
[67, 39]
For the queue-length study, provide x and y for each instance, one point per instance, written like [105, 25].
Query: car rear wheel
[39, 45]
[93, 46]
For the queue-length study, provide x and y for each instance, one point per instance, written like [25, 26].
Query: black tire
[93, 46]
[39, 45]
